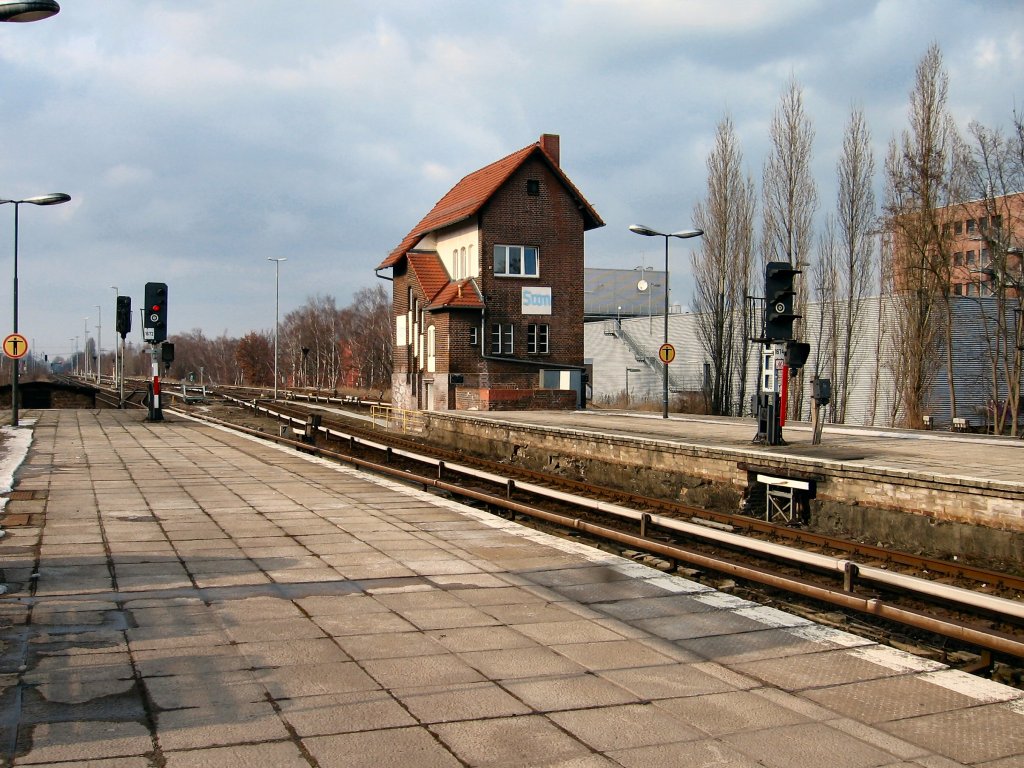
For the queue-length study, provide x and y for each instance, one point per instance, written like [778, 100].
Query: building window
[970, 258]
[502, 338]
[474, 336]
[958, 259]
[958, 289]
[516, 260]
[958, 228]
[972, 226]
[984, 255]
[536, 339]
[997, 222]
[533, 187]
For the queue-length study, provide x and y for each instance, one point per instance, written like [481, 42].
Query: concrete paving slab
[625, 727]
[218, 723]
[290, 611]
[463, 701]
[335, 713]
[529, 740]
[282, 754]
[806, 744]
[393, 748]
[71, 742]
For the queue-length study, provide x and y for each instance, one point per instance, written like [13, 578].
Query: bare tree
[997, 171]
[790, 198]
[371, 345]
[856, 220]
[254, 355]
[921, 178]
[826, 277]
[722, 269]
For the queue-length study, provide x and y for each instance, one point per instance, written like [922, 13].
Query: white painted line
[896, 660]
[772, 617]
[818, 633]
[974, 687]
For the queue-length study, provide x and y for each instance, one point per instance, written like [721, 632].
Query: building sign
[536, 301]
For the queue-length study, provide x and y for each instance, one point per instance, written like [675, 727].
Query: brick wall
[496, 399]
[552, 222]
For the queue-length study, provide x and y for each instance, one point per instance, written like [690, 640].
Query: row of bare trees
[902, 250]
[320, 346]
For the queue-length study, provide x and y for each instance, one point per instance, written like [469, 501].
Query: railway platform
[182, 596]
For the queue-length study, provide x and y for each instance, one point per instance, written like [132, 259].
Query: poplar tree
[790, 200]
[722, 270]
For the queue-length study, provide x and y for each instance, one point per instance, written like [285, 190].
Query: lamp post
[27, 10]
[54, 199]
[277, 310]
[629, 371]
[117, 370]
[99, 344]
[682, 234]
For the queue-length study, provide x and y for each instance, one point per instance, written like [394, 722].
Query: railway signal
[778, 300]
[154, 330]
[124, 315]
[781, 353]
[154, 314]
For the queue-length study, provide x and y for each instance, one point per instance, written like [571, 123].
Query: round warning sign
[15, 346]
[666, 353]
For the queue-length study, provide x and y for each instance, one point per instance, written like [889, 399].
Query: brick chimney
[549, 143]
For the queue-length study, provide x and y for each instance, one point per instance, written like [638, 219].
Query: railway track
[947, 610]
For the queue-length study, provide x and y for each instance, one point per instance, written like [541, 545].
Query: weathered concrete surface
[189, 597]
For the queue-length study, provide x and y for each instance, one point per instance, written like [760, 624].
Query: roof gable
[461, 294]
[429, 273]
[467, 197]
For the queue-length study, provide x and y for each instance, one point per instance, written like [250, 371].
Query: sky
[199, 138]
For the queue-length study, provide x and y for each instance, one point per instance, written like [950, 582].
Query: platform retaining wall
[915, 512]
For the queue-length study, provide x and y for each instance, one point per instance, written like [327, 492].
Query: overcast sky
[198, 138]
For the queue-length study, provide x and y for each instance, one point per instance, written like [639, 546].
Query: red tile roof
[461, 294]
[430, 273]
[467, 197]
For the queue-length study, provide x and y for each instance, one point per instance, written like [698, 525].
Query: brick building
[488, 291]
[987, 237]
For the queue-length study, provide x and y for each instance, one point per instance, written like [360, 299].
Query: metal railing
[397, 419]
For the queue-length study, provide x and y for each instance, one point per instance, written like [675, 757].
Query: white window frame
[502, 338]
[538, 337]
[501, 261]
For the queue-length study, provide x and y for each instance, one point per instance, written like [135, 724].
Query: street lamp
[27, 10]
[277, 310]
[54, 199]
[683, 234]
[644, 286]
[99, 343]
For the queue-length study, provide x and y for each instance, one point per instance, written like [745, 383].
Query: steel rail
[867, 551]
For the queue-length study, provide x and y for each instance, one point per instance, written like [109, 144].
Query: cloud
[199, 137]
